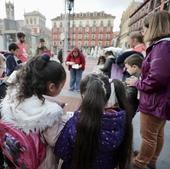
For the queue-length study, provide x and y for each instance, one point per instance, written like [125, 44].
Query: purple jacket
[154, 85]
[111, 136]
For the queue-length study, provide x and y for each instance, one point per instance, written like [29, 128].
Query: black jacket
[11, 64]
[108, 66]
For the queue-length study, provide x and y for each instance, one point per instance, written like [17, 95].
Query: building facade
[37, 23]
[87, 30]
[123, 40]
[146, 8]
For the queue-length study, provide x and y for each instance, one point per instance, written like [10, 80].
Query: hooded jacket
[154, 85]
[35, 116]
[111, 136]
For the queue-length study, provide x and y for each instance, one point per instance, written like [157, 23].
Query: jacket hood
[31, 114]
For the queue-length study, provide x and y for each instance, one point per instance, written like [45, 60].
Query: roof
[90, 15]
[34, 13]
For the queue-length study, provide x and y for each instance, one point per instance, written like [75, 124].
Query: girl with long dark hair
[99, 135]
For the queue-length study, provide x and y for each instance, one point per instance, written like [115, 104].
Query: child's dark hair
[134, 59]
[125, 149]
[42, 40]
[20, 34]
[13, 46]
[107, 53]
[101, 58]
[34, 77]
[96, 91]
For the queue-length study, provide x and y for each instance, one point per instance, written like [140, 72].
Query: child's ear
[51, 88]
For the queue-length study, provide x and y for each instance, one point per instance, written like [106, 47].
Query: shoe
[150, 166]
[71, 90]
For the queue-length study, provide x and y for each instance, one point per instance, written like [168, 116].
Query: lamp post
[69, 5]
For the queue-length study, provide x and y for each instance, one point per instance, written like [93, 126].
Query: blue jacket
[11, 64]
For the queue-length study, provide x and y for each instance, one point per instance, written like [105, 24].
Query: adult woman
[76, 64]
[154, 88]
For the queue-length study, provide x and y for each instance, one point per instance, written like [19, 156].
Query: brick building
[87, 30]
[146, 8]
[123, 40]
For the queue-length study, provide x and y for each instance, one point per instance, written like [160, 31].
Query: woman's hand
[70, 63]
[131, 81]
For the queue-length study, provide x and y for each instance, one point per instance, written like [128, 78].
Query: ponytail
[96, 92]
[125, 149]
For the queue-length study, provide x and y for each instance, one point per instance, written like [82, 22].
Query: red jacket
[80, 59]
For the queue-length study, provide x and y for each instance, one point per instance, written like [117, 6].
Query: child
[12, 61]
[2, 72]
[97, 136]
[133, 66]
[30, 103]
[100, 65]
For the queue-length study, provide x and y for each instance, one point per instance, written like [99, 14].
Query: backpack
[24, 151]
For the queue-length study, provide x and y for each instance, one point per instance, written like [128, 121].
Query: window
[27, 21]
[87, 23]
[80, 36]
[94, 23]
[158, 3]
[109, 23]
[151, 5]
[101, 23]
[93, 43]
[61, 24]
[87, 29]
[166, 6]
[31, 21]
[35, 21]
[86, 36]
[93, 37]
[100, 37]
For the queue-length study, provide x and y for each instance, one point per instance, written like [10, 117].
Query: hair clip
[45, 57]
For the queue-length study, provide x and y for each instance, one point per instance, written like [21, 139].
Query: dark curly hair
[34, 77]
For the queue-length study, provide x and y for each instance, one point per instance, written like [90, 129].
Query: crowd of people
[36, 133]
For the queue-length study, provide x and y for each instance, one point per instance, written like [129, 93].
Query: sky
[53, 8]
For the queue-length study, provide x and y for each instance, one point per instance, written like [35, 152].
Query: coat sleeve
[63, 145]
[51, 134]
[158, 75]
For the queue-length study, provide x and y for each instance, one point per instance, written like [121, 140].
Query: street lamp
[69, 5]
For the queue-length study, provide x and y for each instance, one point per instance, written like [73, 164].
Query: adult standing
[154, 88]
[137, 43]
[22, 52]
[76, 64]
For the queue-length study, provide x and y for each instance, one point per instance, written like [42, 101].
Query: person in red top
[136, 42]
[76, 65]
[22, 54]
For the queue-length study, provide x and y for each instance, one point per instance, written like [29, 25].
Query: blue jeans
[75, 78]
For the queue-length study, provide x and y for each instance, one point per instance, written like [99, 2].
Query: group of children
[95, 137]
